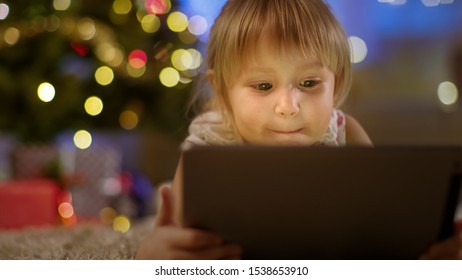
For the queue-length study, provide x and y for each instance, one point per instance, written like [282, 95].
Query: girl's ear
[211, 77]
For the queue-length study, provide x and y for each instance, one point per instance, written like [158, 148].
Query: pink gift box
[26, 203]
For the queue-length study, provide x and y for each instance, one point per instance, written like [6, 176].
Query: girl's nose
[287, 103]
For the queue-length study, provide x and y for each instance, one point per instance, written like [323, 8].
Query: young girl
[278, 69]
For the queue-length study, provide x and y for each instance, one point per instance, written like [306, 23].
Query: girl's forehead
[265, 51]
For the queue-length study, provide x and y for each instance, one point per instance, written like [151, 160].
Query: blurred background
[93, 94]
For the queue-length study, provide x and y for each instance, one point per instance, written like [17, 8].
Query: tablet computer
[323, 203]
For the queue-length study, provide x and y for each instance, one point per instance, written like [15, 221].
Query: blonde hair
[305, 24]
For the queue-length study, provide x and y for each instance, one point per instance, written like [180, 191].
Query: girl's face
[282, 98]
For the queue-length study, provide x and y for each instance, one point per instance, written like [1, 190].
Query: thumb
[165, 210]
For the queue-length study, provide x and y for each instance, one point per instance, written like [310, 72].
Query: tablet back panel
[323, 203]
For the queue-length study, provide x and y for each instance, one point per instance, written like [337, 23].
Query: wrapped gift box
[25, 203]
[32, 161]
[98, 170]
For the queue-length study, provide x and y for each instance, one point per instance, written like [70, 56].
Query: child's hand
[448, 249]
[170, 241]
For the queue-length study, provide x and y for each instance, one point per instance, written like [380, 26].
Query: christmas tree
[108, 64]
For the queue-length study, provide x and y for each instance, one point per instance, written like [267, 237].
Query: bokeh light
[105, 52]
[122, 7]
[150, 23]
[61, 5]
[118, 58]
[161, 50]
[197, 58]
[358, 49]
[185, 80]
[53, 23]
[121, 224]
[109, 54]
[65, 210]
[135, 72]
[140, 13]
[169, 77]
[71, 221]
[187, 38]
[177, 22]
[157, 7]
[81, 49]
[394, 2]
[86, 28]
[107, 215]
[11, 36]
[448, 94]
[431, 3]
[4, 11]
[46, 92]
[111, 186]
[137, 59]
[181, 59]
[128, 119]
[104, 75]
[93, 105]
[197, 25]
[67, 26]
[82, 139]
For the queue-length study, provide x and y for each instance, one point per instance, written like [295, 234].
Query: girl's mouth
[287, 131]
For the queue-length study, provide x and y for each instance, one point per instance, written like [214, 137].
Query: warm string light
[150, 23]
[46, 92]
[66, 209]
[11, 36]
[448, 94]
[128, 119]
[158, 7]
[122, 7]
[137, 59]
[82, 139]
[61, 5]
[120, 223]
[93, 106]
[104, 75]
[177, 22]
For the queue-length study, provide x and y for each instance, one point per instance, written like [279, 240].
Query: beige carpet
[81, 242]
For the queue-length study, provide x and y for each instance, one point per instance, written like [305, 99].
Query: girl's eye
[263, 86]
[309, 83]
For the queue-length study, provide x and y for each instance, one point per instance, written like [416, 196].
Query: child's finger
[165, 211]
